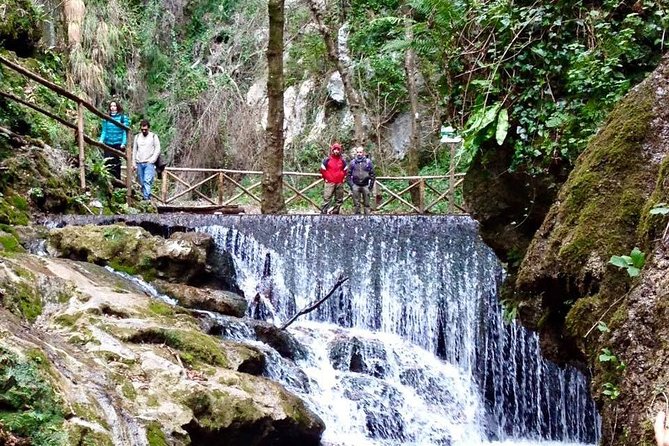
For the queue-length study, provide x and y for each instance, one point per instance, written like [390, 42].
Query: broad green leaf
[638, 258]
[618, 261]
[633, 271]
[660, 210]
[601, 326]
[502, 126]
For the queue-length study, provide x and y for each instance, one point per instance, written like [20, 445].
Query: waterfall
[413, 348]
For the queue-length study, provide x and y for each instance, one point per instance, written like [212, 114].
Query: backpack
[160, 164]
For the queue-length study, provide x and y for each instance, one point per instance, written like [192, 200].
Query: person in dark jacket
[114, 136]
[361, 178]
[333, 171]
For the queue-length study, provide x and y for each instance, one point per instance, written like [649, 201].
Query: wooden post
[421, 195]
[220, 188]
[451, 181]
[128, 167]
[80, 140]
[164, 186]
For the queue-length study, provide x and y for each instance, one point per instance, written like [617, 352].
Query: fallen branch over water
[314, 305]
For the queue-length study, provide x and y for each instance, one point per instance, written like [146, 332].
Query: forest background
[533, 79]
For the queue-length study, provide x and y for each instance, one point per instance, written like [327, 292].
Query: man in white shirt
[145, 151]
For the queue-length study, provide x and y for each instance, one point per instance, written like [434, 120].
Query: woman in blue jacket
[114, 136]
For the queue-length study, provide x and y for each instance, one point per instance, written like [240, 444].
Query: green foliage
[632, 263]
[615, 367]
[29, 405]
[602, 327]
[509, 310]
[660, 209]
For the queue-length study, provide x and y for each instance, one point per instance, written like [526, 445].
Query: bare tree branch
[311, 307]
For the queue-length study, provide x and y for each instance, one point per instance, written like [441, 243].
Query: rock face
[565, 287]
[129, 369]
[223, 302]
[510, 206]
[181, 258]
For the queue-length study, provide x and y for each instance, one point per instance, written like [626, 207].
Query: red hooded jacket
[334, 167]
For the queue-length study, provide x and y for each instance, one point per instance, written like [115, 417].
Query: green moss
[215, 409]
[30, 406]
[155, 435]
[21, 298]
[20, 28]
[605, 194]
[582, 315]
[161, 308]
[10, 243]
[68, 320]
[192, 346]
[13, 209]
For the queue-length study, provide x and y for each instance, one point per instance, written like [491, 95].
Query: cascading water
[413, 349]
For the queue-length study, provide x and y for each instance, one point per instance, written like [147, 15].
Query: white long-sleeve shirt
[146, 149]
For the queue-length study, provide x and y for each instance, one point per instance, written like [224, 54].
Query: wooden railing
[224, 187]
[82, 138]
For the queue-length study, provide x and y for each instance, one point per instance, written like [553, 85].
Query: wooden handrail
[302, 174]
[58, 89]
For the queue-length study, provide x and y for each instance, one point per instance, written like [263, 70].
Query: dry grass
[95, 37]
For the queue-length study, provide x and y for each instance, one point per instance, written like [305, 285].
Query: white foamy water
[412, 350]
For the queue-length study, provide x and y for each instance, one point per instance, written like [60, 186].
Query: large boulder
[181, 258]
[510, 205]
[130, 369]
[20, 27]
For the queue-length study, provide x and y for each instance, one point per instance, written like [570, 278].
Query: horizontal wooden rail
[81, 137]
[58, 89]
[432, 189]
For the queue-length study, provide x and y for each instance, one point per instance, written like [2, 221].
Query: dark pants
[113, 162]
[360, 193]
[332, 191]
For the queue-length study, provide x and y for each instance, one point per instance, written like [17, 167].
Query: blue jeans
[146, 173]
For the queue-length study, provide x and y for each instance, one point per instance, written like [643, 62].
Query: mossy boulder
[510, 205]
[126, 369]
[596, 215]
[36, 179]
[181, 258]
[223, 302]
[259, 413]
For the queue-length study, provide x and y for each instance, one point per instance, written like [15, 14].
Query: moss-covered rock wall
[586, 310]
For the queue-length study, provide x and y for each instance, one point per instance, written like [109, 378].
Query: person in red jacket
[333, 171]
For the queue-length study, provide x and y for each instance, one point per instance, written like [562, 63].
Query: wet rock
[132, 369]
[282, 341]
[272, 417]
[509, 205]
[380, 402]
[223, 302]
[360, 356]
[21, 27]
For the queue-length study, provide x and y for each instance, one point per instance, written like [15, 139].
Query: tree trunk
[352, 95]
[272, 182]
[414, 139]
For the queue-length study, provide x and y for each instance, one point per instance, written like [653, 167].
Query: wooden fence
[224, 187]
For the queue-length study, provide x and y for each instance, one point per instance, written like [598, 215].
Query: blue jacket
[112, 134]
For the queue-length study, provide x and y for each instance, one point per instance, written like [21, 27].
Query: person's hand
[661, 431]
